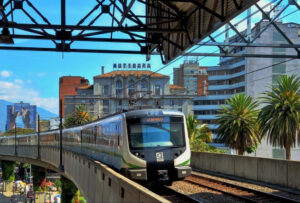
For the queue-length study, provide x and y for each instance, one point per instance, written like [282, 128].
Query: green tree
[8, 170]
[280, 116]
[39, 175]
[20, 131]
[197, 131]
[68, 190]
[238, 127]
[78, 117]
[199, 135]
[58, 184]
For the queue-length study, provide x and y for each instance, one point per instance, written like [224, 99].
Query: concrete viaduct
[96, 181]
[99, 183]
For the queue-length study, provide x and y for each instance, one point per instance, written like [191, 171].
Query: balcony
[212, 97]
[213, 126]
[226, 87]
[206, 107]
[235, 65]
[226, 59]
[226, 77]
[206, 117]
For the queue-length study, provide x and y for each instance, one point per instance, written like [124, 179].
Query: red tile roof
[84, 87]
[138, 73]
[176, 87]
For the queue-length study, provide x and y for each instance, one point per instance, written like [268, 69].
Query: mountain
[3, 113]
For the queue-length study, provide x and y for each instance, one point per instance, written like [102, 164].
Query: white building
[251, 76]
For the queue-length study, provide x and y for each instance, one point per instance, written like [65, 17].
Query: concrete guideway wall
[96, 181]
[274, 171]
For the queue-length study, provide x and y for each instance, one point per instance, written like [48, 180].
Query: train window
[157, 131]
[88, 135]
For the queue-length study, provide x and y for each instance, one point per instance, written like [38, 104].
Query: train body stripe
[130, 164]
[185, 163]
[117, 155]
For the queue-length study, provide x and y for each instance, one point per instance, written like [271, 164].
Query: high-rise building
[251, 76]
[68, 85]
[191, 76]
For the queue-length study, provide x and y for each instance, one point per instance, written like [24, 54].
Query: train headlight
[140, 155]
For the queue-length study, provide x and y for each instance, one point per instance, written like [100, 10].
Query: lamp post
[61, 167]
[38, 138]
[15, 138]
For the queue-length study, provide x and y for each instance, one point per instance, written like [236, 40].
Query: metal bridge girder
[169, 27]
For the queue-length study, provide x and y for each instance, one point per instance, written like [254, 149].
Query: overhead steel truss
[227, 49]
[166, 27]
[169, 27]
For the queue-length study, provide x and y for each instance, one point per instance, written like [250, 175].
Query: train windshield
[155, 132]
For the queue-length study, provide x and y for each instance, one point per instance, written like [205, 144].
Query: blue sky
[33, 76]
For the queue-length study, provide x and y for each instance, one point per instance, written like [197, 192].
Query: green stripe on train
[129, 164]
[185, 163]
[117, 155]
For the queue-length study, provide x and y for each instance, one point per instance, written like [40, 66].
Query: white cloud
[14, 92]
[18, 81]
[41, 74]
[6, 73]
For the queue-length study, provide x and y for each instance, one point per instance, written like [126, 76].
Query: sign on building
[21, 115]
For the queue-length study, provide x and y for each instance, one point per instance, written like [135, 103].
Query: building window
[275, 78]
[105, 89]
[278, 50]
[157, 89]
[105, 102]
[280, 68]
[144, 85]
[105, 106]
[277, 36]
[119, 88]
[131, 87]
[278, 153]
[120, 102]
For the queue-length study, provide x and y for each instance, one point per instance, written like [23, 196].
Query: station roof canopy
[197, 19]
[169, 27]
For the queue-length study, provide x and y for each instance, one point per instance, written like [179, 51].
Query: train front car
[159, 139]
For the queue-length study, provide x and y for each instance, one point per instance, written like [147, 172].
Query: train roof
[152, 112]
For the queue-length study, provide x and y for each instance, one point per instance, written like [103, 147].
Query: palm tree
[197, 131]
[78, 117]
[238, 127]
[279, 118]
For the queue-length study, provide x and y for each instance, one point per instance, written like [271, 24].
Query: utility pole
[38, 138]
[15, 138]
[61, 167]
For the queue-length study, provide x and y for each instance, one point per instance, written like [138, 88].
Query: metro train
[145, 145]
